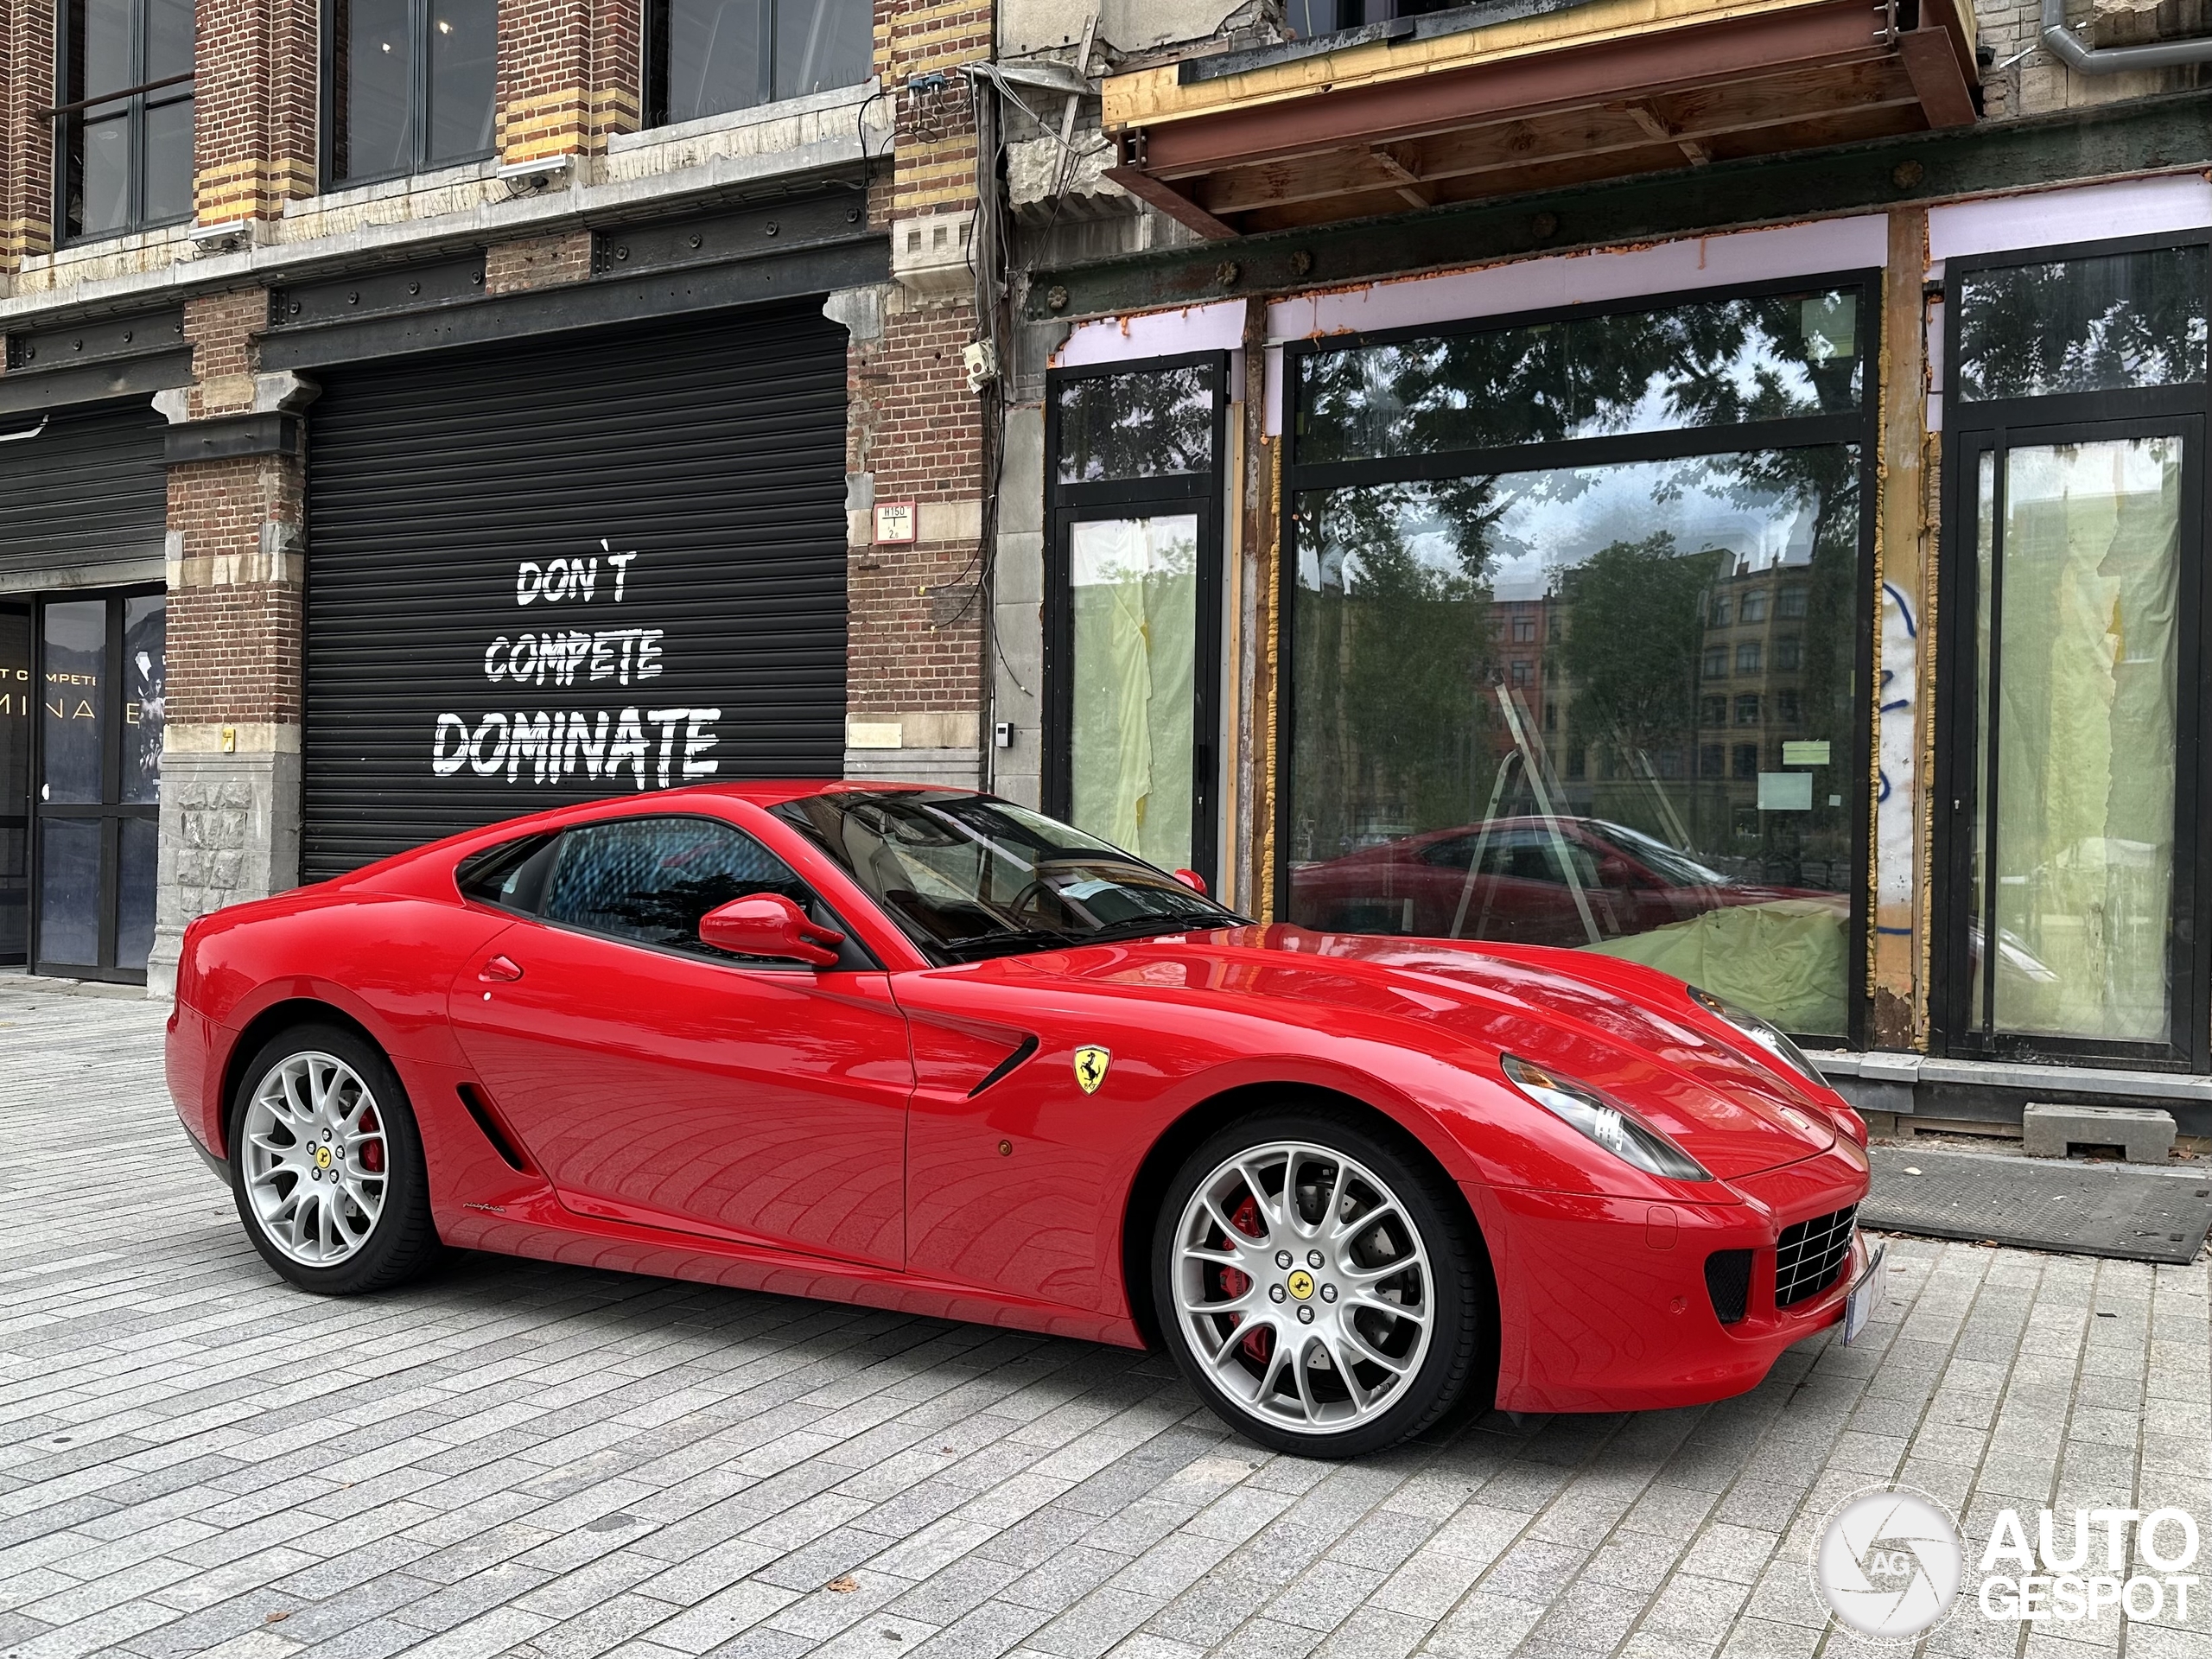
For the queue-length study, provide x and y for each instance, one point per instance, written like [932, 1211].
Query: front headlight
[1604, 1121]
[1768, 1035]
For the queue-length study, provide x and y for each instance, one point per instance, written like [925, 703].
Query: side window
[650, 879]
[511, 875]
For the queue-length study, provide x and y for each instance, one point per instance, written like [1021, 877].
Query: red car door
[657, 1082]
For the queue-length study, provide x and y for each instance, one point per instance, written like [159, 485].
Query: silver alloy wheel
[1303, 1286]
[313, 1158]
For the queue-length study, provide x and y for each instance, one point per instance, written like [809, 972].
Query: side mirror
[1194, 880]
[768, 924]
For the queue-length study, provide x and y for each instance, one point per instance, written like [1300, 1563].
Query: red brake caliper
[371, 1151]
[1259, 1343]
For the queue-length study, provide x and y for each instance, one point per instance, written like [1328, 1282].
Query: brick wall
[918, 610]
[26, 142]
[254, 124]
[536, 262]
[568, 76]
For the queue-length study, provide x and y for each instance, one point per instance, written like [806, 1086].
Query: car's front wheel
[328, 1167]
[1322, 1289]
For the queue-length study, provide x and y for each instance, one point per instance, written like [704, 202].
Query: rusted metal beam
[2167, 134]
[1641, 67]
[1932, 60]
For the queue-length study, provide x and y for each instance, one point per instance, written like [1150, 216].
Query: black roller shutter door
[592, 564]
[89, 490]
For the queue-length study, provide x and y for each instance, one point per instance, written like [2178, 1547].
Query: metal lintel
[584, 305]
[2103, 142]
[223, 437]
[94, 383]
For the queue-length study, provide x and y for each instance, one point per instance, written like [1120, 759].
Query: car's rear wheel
[328, 1165]
[1321, 1287]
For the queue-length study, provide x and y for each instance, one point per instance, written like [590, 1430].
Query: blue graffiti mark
[1905, 607]
[1899, 932]
[1902, 703]
[1882, 793]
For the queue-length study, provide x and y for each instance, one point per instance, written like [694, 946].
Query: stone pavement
[524, 1460]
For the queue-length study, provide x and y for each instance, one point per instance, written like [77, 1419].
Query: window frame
[1861, 427]
[1069, 504]
[135, 106]
[418, 104]
[1995, 426]
[653, 76]
[854, 955]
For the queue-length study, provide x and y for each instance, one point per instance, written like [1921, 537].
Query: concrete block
[2145, 1134]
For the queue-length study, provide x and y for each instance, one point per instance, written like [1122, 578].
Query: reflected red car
[1522, 890]
[924, 1049]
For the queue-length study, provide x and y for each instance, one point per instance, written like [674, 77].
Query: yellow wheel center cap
[323, 1157]
[1302, 1284]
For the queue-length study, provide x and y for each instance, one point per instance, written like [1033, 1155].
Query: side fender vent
[1728, 1282]
[494, 1131]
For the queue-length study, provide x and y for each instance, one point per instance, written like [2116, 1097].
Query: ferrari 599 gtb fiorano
[924, 1049]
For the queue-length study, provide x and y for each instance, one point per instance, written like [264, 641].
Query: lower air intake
[1728, 1282]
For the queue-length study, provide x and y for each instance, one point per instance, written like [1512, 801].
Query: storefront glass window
[2075, 740]
[2105, 323]
[1662, 771]
[1710, 363]
[75, 695]
[14, 779]
[1133, 605]
[1153, 424]
[145, 633]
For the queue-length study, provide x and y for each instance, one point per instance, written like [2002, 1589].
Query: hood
[1628, 1029]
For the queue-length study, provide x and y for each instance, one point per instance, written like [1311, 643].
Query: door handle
[500, 971]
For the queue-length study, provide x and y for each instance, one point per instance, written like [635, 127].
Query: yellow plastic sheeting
[1784, 959]
[1133, 594]
[2086, 736]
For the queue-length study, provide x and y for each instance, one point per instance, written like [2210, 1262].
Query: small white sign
[894, 521]
[1785, 791]
[1811, 754]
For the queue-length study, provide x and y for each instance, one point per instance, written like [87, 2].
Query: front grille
[1809, 1255]
[1728, 1282]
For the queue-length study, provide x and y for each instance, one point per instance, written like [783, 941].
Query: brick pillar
[231, 755]
[915, 691]
[255, 110]
[568, 76]
[26, 141]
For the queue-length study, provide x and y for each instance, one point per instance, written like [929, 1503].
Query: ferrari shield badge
[1090, 1066]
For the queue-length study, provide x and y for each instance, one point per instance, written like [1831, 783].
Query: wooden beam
[1405, 180]
[1170, 201]
[1933, 66]
[1709, 116]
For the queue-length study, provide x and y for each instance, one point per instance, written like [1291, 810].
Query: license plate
[1865, 1295]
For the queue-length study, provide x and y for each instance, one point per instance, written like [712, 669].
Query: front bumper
[1604, 1306]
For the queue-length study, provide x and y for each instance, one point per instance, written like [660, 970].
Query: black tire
[403, 1241]
[1461, 1353]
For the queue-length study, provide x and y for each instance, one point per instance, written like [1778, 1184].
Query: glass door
[16, 701]
[1133, 605]
[97, 805]
[2079, 758]
[2069, 914]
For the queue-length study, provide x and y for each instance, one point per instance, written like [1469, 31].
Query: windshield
[967, 876]
[1677, 869]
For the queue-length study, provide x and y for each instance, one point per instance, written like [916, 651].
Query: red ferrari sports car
[926, 1049]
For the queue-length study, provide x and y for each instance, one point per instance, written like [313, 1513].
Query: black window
[1747, 711]
[1789, 654]
[708, 57]
[1753, 608]
[1747, 657]
[1524, 630]
[408, 84]
[650, 879]
[123, 116]
[1747, 760]
[1716, 663]
[1713, 711]
[511, 875]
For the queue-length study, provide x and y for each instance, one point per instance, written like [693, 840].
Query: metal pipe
[24, 437]
[2067, 48]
